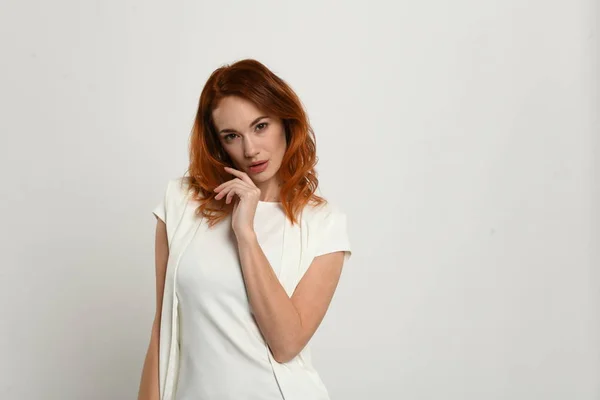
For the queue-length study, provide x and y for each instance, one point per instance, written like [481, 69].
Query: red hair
[253, 81]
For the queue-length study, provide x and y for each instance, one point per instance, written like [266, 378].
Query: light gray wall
[460, 137]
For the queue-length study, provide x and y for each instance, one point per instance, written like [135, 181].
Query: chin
[260, 178]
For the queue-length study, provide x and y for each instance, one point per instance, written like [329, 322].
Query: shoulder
[323, 213]
[327, 229]
[177, 195]
[178, 189]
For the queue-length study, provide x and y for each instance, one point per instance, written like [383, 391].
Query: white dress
[223, 355]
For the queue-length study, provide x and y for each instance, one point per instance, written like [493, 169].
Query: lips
[258, 167]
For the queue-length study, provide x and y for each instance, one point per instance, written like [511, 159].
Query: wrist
[245, 235]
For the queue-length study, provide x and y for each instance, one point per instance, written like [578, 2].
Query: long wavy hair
[253, 81]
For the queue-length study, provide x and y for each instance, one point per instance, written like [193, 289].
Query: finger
[238, 188]
[244, 190]
[242, 175]
[234, 191]
[222, 191]
[224, 185]
[229, 182]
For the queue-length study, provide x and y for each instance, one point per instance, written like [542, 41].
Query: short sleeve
[160, 211]
[333, 235]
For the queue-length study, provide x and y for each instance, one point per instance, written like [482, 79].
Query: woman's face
[249, 135]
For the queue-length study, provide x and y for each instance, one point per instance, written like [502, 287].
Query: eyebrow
[229, 130]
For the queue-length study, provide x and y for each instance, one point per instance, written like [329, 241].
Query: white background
[461, 138]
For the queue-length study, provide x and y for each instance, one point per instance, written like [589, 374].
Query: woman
[248, 256]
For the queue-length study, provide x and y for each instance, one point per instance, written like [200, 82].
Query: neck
[269, 191]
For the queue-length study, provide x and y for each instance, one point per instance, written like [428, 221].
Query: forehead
[235, 112]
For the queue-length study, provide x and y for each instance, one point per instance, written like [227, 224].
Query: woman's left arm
[287, 323]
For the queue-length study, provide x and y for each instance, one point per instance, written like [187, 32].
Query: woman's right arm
[149, 389]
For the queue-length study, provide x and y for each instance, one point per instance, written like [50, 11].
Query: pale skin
[286, 323]
[248, 134]
[149, 389]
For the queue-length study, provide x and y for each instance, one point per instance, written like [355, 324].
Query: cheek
[233, 152]
[280, 143]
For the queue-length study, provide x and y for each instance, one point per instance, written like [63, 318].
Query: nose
[250, 149]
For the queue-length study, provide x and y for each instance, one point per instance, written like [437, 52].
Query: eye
[228, 137]
[263, 124]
